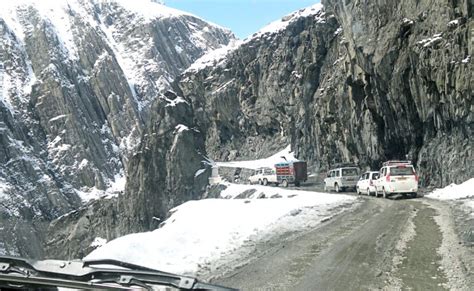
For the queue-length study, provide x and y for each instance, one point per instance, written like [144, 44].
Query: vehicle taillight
[416, 177]
[387, 178]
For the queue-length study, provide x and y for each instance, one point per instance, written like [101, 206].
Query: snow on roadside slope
[211, 232]
[454, 191]
[267, 162]
[463, 193]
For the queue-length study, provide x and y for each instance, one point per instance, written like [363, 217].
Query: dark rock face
[167, 170]
[250, 105]
[359, 83]
[78, 84]
[409, 65]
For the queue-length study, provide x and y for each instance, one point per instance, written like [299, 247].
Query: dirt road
[407, 244]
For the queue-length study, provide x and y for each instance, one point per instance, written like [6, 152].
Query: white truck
[397, 177]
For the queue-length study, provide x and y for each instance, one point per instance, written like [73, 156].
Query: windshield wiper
[103, 274]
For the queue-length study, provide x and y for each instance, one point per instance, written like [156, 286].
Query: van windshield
[350, 172]
[401, 171]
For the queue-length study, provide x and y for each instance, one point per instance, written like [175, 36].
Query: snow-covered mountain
[78, 79]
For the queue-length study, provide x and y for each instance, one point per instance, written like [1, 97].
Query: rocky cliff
[78, 82]
[355, 82]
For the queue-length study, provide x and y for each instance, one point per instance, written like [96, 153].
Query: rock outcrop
[356, 82]
[78, 82]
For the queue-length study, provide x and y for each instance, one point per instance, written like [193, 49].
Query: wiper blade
[103, 274]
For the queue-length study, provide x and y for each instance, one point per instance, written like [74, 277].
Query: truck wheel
[336, 188]
[265, 182]
[284, 183]
[414, 195]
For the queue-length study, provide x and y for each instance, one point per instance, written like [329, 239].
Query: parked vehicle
[293, 172]
[397, 177]
[366, 183]
[341, 179]
[264, 176]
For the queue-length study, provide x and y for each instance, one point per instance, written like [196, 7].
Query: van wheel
[265, 182]
[414, 195]
[336, 188]
[376, 194]
[284, 183]
[358, 191]
[368, 192]
[384, 193]
[260, 182]
[325, 188]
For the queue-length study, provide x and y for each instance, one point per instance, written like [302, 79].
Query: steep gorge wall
[79, 80]
[410, 63]
[362, 82]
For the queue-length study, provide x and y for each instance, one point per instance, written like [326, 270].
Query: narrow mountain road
[380, 244]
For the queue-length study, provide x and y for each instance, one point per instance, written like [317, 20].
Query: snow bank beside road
[463, 192]
[454, 191]
[206, 233]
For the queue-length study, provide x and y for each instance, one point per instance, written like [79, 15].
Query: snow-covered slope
[206, 234]
[462, 194]
[217, 57]
[78, 78]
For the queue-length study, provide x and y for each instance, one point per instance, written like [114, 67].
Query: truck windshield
[350, 172]
[401, 171]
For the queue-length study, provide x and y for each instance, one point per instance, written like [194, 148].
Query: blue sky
[243, 17]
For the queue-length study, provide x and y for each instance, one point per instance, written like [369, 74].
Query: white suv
[264, 176]
[366, 183]
[341, 179]
[397, 177]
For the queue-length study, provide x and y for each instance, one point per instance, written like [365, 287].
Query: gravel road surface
[381, 244]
